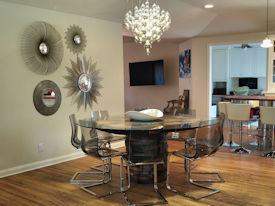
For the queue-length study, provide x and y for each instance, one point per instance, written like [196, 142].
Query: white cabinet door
[259, 62]
[235, 62]
[219, 64]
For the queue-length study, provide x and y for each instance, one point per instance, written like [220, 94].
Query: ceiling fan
[245, 46]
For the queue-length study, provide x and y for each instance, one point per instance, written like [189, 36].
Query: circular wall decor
[75, 39]
[42, 48]
[83, 82]
[47, 97]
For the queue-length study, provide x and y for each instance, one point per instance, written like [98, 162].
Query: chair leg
[96, 167]
[194, 182]
[163, 200]
[241, 149]
[209, 180]
[88, 181]
[86, 188]
[231, 143]
[271, 154]
[122, 189]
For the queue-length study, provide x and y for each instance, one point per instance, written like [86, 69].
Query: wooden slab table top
[252, 98]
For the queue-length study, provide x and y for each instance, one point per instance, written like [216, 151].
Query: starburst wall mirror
[42, 48]
[75, 39]
[83, 82]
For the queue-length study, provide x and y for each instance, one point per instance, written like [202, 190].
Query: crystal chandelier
[147, 24]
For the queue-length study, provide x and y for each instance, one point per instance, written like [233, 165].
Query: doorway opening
[233, 66]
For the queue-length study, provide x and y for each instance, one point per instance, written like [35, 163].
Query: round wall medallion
[47, 97]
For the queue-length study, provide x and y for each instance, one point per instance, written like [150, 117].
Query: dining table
[142, 142]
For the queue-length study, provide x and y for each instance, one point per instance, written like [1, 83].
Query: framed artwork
[185, 64]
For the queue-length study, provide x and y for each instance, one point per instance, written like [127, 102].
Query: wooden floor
[250, 180]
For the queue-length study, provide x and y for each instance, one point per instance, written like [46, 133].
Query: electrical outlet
[40, 147]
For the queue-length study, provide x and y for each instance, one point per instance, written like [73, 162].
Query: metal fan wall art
[42, 48]
[75, 39]
[83, 82]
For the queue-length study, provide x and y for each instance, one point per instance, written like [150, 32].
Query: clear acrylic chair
[77, 144]
[74, 137]
[101, 149]
[104, 115]
[207, 141]
[138, 156]
[184, 135]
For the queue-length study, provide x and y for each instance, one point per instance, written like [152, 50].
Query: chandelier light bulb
[208, 6]
[147, 24]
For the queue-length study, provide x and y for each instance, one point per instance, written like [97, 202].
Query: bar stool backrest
[267, 115]
[223, 108]
[74, 139]
[239, 112]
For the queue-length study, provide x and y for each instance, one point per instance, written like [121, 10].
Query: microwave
[220, 91]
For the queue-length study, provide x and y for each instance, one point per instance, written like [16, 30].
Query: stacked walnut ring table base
[142, 146]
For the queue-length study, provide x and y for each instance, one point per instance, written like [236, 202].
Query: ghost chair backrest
[91, 144]
[74, 138]
[209, 137]
[104, 114]
[185, 112]
[95, 115]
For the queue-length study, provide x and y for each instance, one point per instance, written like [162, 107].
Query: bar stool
[241, 113]
[268, 118]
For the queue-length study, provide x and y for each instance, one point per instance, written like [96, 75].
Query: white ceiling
[189, 18]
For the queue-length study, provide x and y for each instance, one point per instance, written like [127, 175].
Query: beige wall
[22, 128]
[200, 65]
[151, 96]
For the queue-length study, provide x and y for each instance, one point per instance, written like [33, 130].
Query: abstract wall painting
[185, 64]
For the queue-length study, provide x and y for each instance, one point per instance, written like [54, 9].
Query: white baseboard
[40, 164]
[49, 162]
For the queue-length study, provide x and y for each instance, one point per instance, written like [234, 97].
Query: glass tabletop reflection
[122, 124]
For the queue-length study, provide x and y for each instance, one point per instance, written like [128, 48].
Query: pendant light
[267, 42]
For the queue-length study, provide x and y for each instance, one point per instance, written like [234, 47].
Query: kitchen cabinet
[249, 62]
[219, 64]
[260, 59]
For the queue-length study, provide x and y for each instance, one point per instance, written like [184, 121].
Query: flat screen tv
[252, 83]
[146, 73]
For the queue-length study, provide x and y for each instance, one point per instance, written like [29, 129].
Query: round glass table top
[122, 124]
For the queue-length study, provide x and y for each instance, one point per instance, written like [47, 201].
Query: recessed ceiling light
[208, 6]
